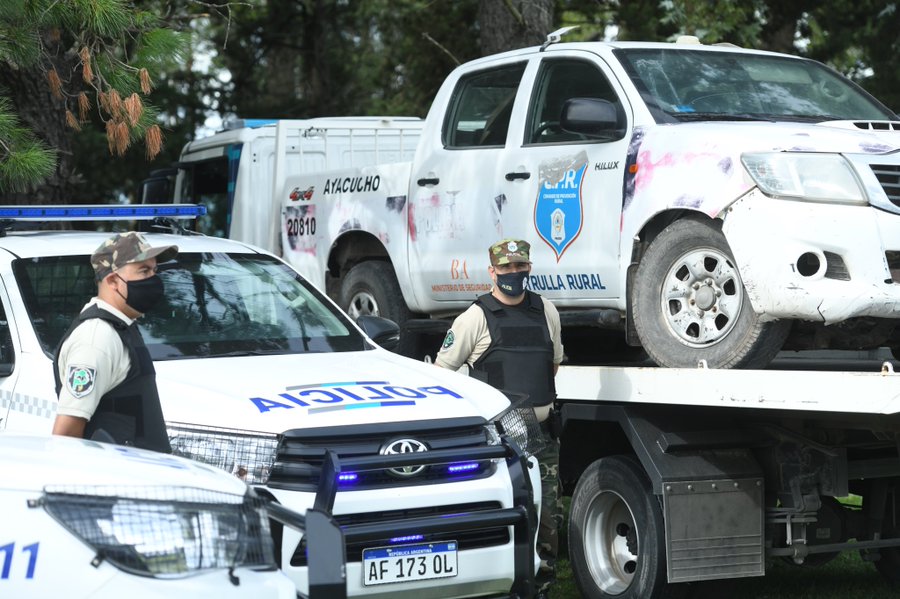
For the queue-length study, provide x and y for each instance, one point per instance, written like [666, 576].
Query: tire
[689, 304]
[617, 534]
[371, 287]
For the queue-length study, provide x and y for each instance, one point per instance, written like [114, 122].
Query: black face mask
[144, 294]
[511, 284]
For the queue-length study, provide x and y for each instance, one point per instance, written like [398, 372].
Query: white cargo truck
[427, 472]
[716, 203]
[232, 172]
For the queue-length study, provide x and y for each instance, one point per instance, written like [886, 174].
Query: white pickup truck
[427, 471]
[717, 203]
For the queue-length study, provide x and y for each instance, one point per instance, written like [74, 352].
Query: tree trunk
[45, 115]
[511, 24]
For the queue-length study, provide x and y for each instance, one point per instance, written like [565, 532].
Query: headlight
[165, 532]
[814, 177]
[519, 423]
[248, 455]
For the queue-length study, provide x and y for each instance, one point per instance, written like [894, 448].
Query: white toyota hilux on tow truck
[427, 471]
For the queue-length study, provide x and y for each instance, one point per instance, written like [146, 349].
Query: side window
[206, 183]
[558, 81]
[481, 106]
[55, 289]
[7, 350]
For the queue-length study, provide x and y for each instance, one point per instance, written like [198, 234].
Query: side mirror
[593, 117]
[382, 331]
[158, 188]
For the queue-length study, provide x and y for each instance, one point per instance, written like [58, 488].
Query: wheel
[371, 287]
[689, 304]
[617, 534]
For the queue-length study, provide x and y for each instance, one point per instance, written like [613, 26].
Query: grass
[845, 577]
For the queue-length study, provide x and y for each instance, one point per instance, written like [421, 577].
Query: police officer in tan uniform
[511, 339]
[105, 380]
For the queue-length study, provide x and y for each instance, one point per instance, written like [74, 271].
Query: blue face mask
[513, 283]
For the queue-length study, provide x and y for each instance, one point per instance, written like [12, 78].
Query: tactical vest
[520, 356]
[130, 411]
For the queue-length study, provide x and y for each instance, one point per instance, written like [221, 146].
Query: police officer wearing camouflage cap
[511, 338]
[105, 378]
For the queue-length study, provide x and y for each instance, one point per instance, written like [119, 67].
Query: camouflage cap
[509, 251]
[126, 248]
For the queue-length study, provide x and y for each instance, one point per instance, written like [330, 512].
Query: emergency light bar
[101, 212]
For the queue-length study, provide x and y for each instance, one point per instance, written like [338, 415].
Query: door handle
[428, 181]
[514, 176]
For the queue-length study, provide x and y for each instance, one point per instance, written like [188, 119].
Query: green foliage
[18, 44]
[99, 18]
[162, 48]
[733, 21]
[23, 159]
[94, 59]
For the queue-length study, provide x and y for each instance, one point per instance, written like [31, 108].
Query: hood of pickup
[888, 132]
[277, 393]
[846, 137]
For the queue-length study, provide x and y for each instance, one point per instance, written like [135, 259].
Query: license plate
[405, 563]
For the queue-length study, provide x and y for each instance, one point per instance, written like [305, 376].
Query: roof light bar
[101, 212]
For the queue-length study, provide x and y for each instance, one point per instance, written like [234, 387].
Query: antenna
[556, 36]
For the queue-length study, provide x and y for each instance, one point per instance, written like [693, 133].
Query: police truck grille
[889, 177]
[298, 462]
[469, 539]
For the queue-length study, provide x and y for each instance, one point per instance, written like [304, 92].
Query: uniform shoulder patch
[448, 340]
[80, 380]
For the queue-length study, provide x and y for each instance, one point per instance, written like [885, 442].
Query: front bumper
[815, 261]
[499, 570]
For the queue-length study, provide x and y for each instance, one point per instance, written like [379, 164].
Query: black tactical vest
[520, 356]
[129, 412]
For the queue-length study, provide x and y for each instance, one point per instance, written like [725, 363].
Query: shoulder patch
[448, 340]
[80, 380]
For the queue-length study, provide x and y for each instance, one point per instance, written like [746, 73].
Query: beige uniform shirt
[92, 361]
[469, 337]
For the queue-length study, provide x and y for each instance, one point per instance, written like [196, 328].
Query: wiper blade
[249, 352]
[718, 116]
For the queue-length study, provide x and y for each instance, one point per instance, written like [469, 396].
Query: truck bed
[849, 382]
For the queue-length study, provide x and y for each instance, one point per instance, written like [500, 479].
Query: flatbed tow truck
[680, 475]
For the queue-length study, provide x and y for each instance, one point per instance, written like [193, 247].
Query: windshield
[215, 305]
[690, 85]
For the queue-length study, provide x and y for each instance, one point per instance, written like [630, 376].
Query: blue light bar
[406, 539]
[102, 212]
[463, 467]
[347, 477]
